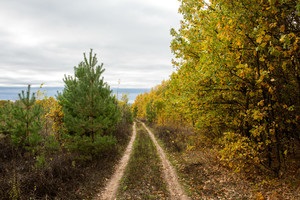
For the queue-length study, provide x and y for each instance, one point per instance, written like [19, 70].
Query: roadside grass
[143, 178]
[174, 153]
[199, 171]
[204, 176]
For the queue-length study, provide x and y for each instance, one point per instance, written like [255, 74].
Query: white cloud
[43, 40]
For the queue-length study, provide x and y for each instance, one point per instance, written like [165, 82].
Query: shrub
[89, 148]
[238, 153]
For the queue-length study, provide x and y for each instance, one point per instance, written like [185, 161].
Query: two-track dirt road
[174, 188]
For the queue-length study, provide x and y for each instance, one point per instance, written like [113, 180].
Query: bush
[173, 138]
[5, 116]
[89, 149]
[238, 153]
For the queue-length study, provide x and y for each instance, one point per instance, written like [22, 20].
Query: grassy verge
[143, 177]
[205, 177]
[200, 172]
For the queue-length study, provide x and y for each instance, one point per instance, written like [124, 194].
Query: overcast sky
[41, 40]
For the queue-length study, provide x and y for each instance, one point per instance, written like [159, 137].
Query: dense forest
[237, 83]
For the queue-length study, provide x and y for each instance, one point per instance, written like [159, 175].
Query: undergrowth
[205, 175]
[59, 174]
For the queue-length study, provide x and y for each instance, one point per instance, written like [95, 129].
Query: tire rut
[171, 177]
[112, 185]
[173, 185]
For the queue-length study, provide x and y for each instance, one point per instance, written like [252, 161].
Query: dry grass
[205, 177]
[63, 176]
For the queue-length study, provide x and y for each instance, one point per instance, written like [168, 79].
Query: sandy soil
[175, 189]
[113, 183]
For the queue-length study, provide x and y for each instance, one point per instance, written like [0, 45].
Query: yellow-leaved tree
[237, 79]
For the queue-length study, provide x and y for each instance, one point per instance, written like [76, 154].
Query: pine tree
[26, 124]
[87, 102]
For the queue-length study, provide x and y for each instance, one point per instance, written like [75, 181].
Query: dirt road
[175, 189]
[112, 185]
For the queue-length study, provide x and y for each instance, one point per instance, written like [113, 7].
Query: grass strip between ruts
[143, 177]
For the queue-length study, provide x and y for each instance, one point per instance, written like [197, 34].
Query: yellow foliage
[237, 71]
[258, 115]
[53, 114]
[238, 152]
[259, 196]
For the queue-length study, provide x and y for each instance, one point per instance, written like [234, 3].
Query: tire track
[112, 185]
[171, 177]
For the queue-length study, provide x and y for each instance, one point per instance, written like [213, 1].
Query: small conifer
[26, 123]
[87, 102]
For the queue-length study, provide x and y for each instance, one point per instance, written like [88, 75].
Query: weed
[14, 193]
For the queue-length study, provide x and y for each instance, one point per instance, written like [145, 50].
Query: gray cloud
[43, 40]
